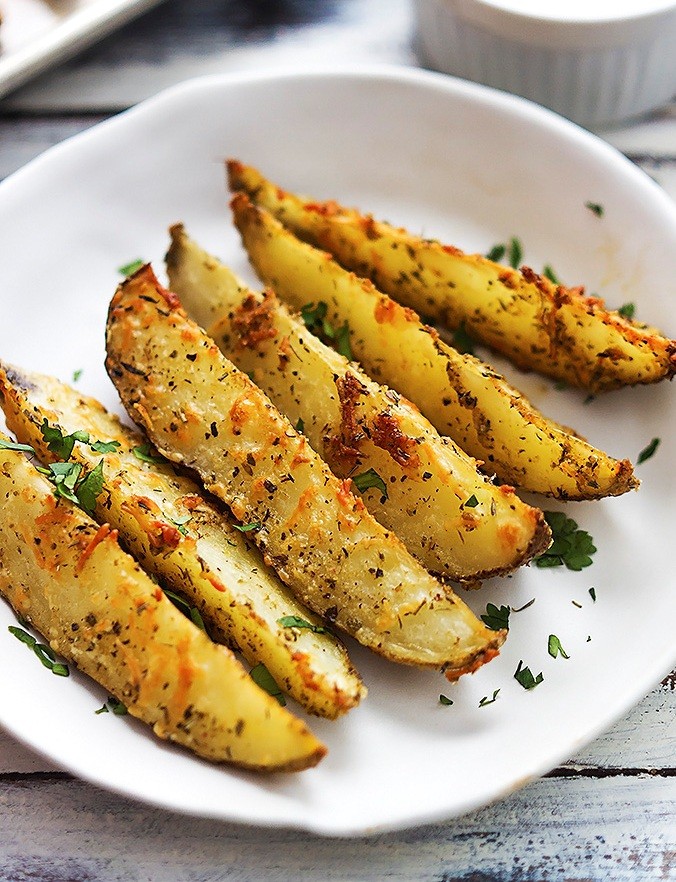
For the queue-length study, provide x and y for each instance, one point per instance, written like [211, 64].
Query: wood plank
[577, 829]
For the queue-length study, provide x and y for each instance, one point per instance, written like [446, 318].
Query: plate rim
[453, 87]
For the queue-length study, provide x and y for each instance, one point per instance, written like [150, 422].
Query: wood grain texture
[614, 829]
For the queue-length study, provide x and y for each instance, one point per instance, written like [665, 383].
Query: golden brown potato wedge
[539, 325]
[426, 489]
[178, 534]
[68, 577]
[459, 395]
[200, 410]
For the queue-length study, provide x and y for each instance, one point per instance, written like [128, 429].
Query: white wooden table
[608, 814]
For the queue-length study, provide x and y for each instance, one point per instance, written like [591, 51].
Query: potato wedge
[178, 534]
[459, 395]
[356, 425]
[68, 577]
[200, 410]
[537, 324]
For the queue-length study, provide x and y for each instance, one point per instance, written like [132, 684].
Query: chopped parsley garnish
[247, 528]
[186, 608]
[648, 451]
[263, 678]
[627, 311]
[549, 273]
[43, 652]
[180, 523]
[525, 678]
[145, 453]
[592, 594]
[571, 547]
[472, 502]
[486, 700]
[445, 700]
[462, 340]
[77, 374]
[314, 318]
[496, 253]
[88, 489]
[368, 479]
[515, 252]
[595, 208]
[300, 425]
[59, 444]
[554, 647]
[112, 705]
[62, 445]
[497, 619]
[130, 268]
[297, 622]
[14, 445]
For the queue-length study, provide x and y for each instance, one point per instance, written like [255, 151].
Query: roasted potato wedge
[459, 395]
[179, 535]
[423, 481]
[537, 324]
[201, 411]
[68, 577]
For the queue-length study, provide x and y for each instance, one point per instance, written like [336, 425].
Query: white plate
[36, 33]
[456, 161]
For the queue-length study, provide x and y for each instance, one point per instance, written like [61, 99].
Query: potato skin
[557, 331]
[68, 577]
[173, 379]
[355, 425]
[459, 395]
[208, 561]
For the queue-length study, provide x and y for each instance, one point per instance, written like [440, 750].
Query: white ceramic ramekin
[593, 61]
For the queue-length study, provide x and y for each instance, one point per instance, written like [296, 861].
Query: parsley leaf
[300, 425]
[595, 208]
[368, 479]
[549, 273]
[486, 700]
[145, 453]
[444, 699]
[43, 652]
[59, 444]
[525, 677]
[627, 311]
[648, 451]
[592, 594]
[130, 268]
[297, 622]
[77, 374]
[497, 619]
[112, 705]
[515, 252]
[14, 445]
[314, 319]
[472, 502]
[263, 678]
[462, 340]
[247, 528]
[496, 253]
[186, 608]
[180, 523]
[104, 446]
[554, 647]
[571, 547]
[88, 489]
